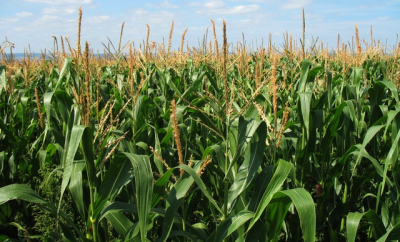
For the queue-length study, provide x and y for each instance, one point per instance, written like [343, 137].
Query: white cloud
[293, 4]
[140, 11]
[242, 9]
[24, 14]
[162, 18]
[200, 29]
[158, 21]
[54, 2]
[254, 1]
[164, 4]
[7, 21]
[309, 16]
[98, 19]
[214, 4]
[46, 18]
[55, 10]
[219, 7]
[383, 18]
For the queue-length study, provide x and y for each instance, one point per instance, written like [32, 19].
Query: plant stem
[93, 220]
[344, 202]
[183, 219]
[105, 227]
[226, 183]
[303, 145]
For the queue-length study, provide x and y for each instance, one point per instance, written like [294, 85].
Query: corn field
[215, 143]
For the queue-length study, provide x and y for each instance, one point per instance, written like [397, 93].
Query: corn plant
[200, 146]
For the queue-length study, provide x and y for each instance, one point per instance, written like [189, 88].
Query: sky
[32, 23]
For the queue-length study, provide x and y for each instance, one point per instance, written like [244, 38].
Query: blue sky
[34, 22]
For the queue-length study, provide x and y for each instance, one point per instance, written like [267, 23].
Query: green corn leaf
[389, 159]
[144, 189]
[353, 222]
[120, 222]
[184, 234]
[230, 225]
[66, 66]
[198, 230]
[217, 150]
[197, 79]
[250, 166]
[390, 117]
[3, 80]
[371, 132]
[356, 76]
[76, 187]
[304, 204]
[211, 77]
[200, 184]
[2, 155]
[329, 91]
[132, 234]
[171, 84]
[120, 80]
[159, 187]
[19, 191]
[24, 192]
[114, 212]
[174, 201]
[360, 152]
[64, 102]
[178, 192]
[275, 214]
[305, 66]
[246, 131]
[157, 149]
[8, 133]
[69, 155]
[281, 173]
[207, 121]
[47, 97]
[87, 147]
[261, 183]
[391, 234]
[118, 174]
[332, 128]
[117, 207]
[305, 106]
[392, 87]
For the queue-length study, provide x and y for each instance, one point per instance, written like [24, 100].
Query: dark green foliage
[105, 164]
